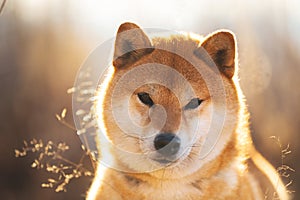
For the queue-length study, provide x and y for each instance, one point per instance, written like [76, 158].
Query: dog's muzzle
[167, 144]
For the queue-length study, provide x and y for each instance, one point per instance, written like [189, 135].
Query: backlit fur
[224, 173]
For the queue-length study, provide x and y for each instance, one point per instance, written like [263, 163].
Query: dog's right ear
[131, 44]
[221, 48]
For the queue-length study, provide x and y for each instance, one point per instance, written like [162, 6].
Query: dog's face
[164, 100]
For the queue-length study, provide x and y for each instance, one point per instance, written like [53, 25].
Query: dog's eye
[194, 103]
[145, 99]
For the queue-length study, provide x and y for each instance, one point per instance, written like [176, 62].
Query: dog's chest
[170, 190]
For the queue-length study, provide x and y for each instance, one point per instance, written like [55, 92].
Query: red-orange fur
[228, 160]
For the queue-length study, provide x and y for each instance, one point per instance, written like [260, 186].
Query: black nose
[167, 144]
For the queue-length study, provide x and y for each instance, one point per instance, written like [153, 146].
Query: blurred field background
[44, 42]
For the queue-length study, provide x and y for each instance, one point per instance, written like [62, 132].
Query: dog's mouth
[164, 161]
[169, 161]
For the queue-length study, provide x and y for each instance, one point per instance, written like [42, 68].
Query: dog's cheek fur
[139, 114]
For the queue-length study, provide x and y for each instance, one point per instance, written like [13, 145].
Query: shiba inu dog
[175, 124]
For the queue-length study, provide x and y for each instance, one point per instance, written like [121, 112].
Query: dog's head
[169, 103]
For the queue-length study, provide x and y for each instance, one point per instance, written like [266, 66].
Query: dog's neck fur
[202, 181]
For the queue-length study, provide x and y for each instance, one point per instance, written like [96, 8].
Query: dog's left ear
[131, 44]
[221, 47]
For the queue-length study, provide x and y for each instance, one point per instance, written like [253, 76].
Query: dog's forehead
[179, 44]
[173, 64]
[177, 52]
[175, 68]
[179, 78]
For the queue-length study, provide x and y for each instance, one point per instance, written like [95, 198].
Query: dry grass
[2, 6]
[283, 170]
[50, 157]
